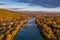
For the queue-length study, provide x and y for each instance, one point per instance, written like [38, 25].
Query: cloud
[28, 7]
[2, 3]
[44, 3]
[33, 8]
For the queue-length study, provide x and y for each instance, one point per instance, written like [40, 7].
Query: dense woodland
[49, 25]
[11, 22]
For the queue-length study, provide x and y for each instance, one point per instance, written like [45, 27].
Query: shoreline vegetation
[49, 26]
[10, 23]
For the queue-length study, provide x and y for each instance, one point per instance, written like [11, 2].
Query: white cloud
[36, 8]
[30, 8]
[3, 3]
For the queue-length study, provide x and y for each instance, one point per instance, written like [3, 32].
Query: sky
[31, 5]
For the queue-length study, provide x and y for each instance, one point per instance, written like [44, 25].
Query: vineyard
[49, 25]
[10, 23]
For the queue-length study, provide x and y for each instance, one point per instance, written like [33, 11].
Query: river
[29, 32]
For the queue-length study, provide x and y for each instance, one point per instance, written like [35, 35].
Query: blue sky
[44, 3]
[12, 2]
[31, 5]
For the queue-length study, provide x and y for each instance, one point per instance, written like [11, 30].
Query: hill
[7, 15]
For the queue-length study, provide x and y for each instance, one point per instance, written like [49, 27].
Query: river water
[29, 32]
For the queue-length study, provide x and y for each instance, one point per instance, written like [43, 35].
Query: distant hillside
[39, 12]
[7, 15]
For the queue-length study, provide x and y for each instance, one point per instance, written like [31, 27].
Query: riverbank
[29, 31]
[17, 28]
[12, 30]
[45, 29]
